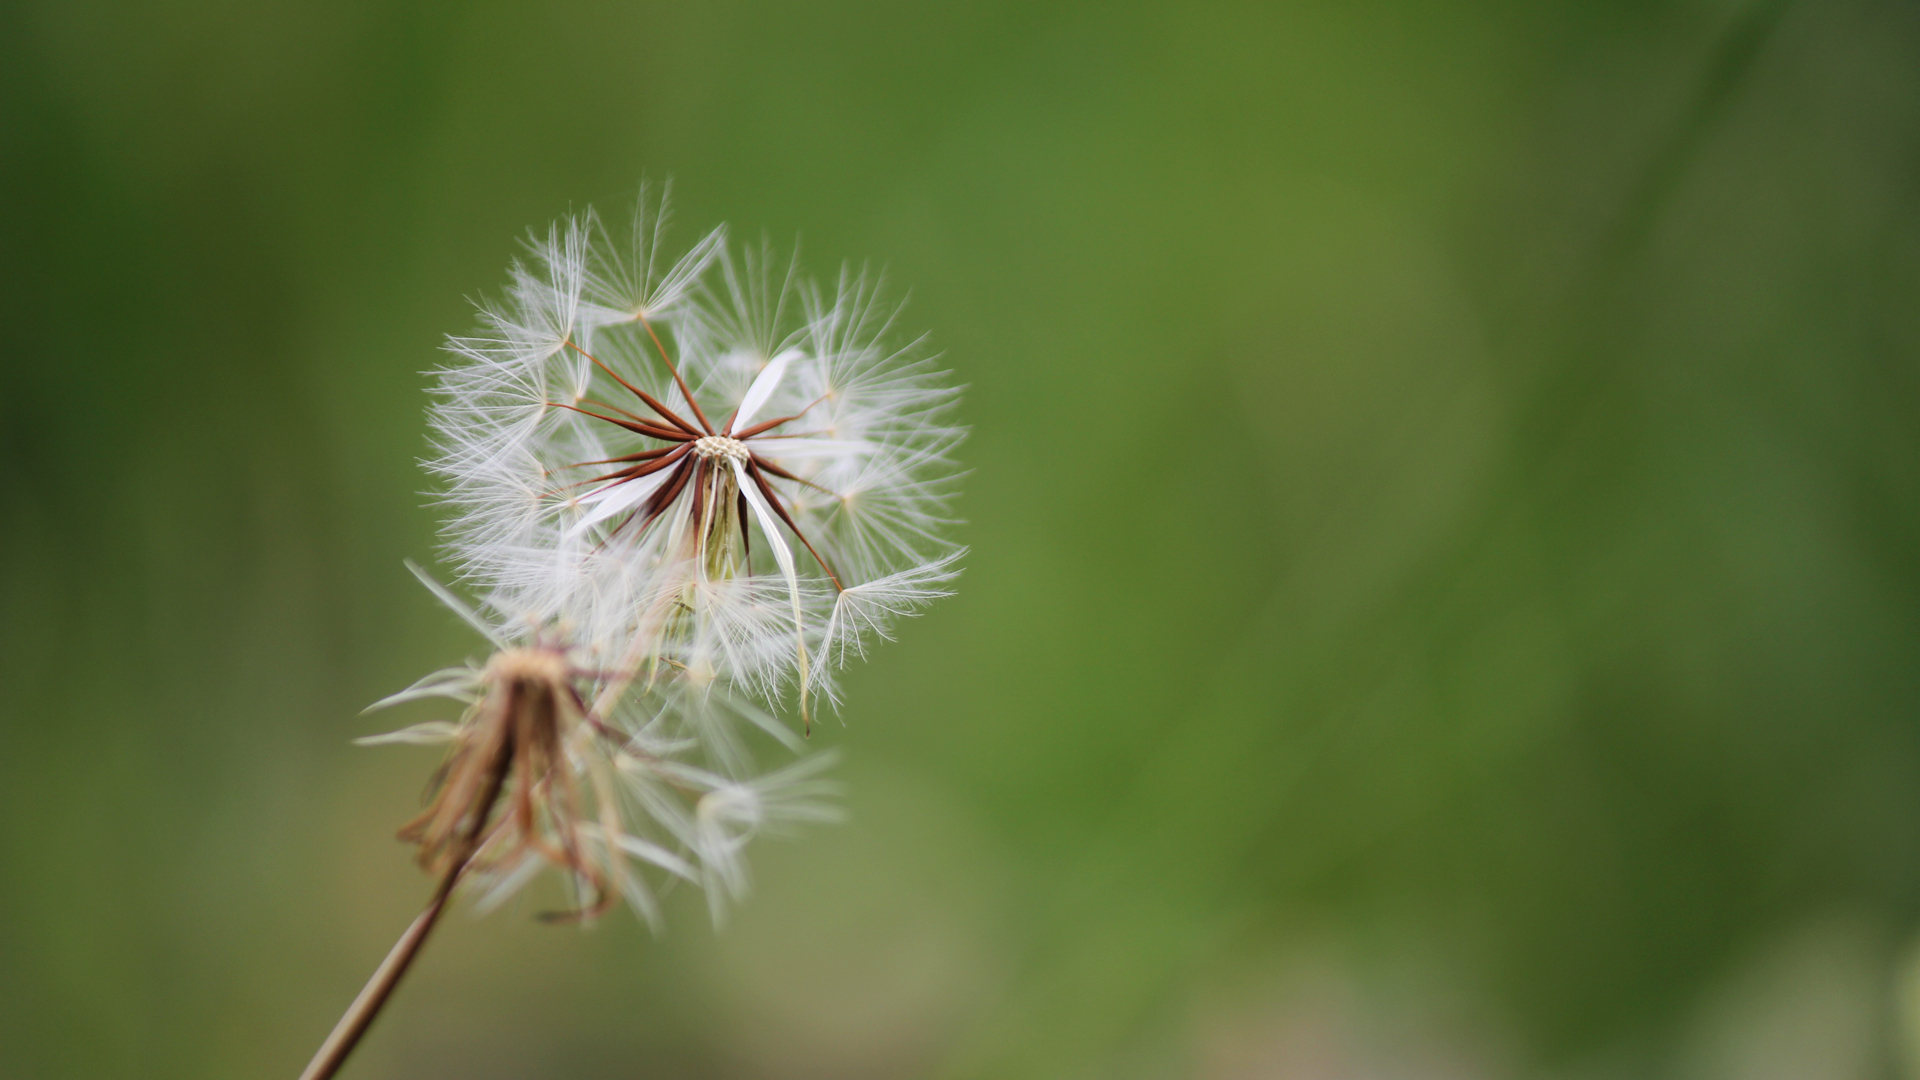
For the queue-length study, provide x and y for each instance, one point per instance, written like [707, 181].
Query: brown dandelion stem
[373, 997]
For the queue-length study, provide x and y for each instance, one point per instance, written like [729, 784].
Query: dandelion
[684, 492]
[684, 443]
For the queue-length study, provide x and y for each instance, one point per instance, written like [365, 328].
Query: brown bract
[511, 753]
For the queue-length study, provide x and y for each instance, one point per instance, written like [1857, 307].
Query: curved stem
[373, 997]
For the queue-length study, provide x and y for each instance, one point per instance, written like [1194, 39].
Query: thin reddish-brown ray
[682, 383]
[758, 428]
[768, 425]
[654, 424]
[667, 414]
[746, 545]
[668, 434]
[727, 428]
[644, 455]
[665, 496]
[665, 434]
[649, 430]
[598, 404]
[579, 703]
[785, 475]
[647, 469]
[652, 507]
[773, 500]
[600, 727]
[673, 453]
[700, 472]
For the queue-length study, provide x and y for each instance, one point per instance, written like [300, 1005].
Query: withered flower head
[511, 743]
[555, 764]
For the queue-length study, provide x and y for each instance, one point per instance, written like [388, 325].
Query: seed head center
[720, 446]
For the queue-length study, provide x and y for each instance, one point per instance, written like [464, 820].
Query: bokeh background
[1444, 601]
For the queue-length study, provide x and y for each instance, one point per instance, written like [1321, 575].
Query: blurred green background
[1444, 601]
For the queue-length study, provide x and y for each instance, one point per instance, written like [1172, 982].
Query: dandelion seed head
[685, 489]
